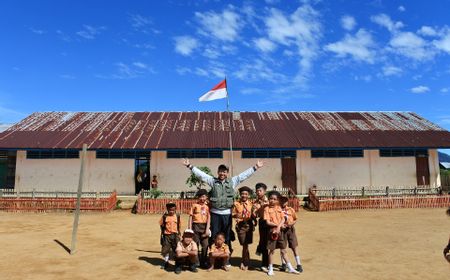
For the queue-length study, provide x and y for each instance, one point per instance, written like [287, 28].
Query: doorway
[422, 170]
[289, 174]
[7, 169]
[142, 174]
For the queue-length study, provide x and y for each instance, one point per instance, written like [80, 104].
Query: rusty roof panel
[189, 130]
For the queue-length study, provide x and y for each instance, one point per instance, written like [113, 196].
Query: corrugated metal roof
[189, 130]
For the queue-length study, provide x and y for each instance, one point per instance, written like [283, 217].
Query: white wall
[63, 174]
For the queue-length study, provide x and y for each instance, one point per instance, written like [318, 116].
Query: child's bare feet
[225, 268]
[242, 266]
[210, 268]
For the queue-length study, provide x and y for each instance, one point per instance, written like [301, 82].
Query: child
[290, 217]
[242, 212]
[277, 239]
[186, 252]
[170, 231]
[199, 221]
[259, 205]
[220, 253]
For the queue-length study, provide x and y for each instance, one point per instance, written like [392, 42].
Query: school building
[300, 149]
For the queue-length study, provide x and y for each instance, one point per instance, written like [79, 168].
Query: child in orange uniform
[242, 212]
[290, 217]
[170, 232]
[219, 254]
[199, 221]
[277, 239]
[186, 252]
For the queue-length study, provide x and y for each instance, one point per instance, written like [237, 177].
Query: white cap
[188, 231]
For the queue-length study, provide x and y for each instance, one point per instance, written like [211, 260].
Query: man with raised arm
[221, 196]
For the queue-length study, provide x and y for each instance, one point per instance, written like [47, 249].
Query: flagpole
[231, 127]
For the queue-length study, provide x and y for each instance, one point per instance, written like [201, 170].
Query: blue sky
[276, 55]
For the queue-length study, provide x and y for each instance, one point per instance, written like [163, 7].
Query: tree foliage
[194, 181]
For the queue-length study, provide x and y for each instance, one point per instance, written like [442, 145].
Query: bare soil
[360, 244]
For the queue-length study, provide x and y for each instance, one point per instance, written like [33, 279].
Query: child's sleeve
[266, 215]
[191, 212]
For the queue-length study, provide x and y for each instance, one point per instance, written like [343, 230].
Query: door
[422, 171]
[7, 169]
[289, 174]
[142, 174]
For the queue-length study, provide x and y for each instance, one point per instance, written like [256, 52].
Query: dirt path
[375, 244]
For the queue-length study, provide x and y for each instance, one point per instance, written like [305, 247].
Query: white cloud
[185, 45]
[443, 43]
[392, 71]
[223, 26]
[427, 31]
[303, 30]
[264, 45]
[420, 89]
[4, 126]
[401, 8]
[67, 77]
[412, 46]
[348, 22]
[37, 31]
[360, 47]
[142, 23]
[445, 90]
[259, 70]
[90, 32]
[386, 21]
[140, 65]
[365, 78]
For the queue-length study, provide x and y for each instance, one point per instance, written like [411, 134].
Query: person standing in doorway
[222, 195]
[154, 182]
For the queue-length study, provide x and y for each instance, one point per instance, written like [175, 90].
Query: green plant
[195, 181]
[118, 202]
[154, 193]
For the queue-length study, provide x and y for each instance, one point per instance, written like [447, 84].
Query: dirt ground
[360, 244]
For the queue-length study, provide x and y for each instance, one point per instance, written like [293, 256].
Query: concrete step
[126, 201]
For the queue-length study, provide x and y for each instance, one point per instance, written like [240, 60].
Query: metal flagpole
[231, 127]
[77, 210]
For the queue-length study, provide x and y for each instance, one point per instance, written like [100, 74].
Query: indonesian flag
[217, 92]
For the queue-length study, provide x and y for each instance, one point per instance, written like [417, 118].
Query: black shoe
[178, 269]
[193, 268]
[165, 266]
[283, 267]
[299, 268]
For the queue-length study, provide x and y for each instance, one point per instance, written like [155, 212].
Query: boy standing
[170, 230]
[199, 221]
[277, 239]
[290, 217]
[220, 253]
[186, 252]
[242, 212]
[259, 205]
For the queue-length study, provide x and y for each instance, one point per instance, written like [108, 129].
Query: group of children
[271, 214]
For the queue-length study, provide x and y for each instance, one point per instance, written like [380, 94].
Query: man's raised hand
[259, 164]
[186, 162]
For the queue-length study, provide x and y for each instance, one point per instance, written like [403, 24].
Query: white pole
[231, 127]
[77, 210]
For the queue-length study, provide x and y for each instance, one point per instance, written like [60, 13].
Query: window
[202, 153]
[120, 154]
[260, 153]
[337, 153]
[403, 152]
[54, 153]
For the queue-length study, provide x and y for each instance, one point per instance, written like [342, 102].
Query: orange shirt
[222, 249]
[289, 215]
[199, 213]
[171, 224]
[243, 210]
[259, 205]
[273, 214]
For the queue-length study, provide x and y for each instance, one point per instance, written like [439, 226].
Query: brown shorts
[291, 237]
[281, 243]
[244, 231]
[169, 244]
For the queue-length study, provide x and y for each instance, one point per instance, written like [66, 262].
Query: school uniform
[289, 232]
[219, 262]
[170, 226]
[189, 260]
[244, 222]
[258, 206]
[275, 215]
[199, 214]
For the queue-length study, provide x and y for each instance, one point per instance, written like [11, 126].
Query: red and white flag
[217, 92]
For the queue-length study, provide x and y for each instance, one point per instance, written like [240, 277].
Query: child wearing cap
[219, 254]
[290, 217]
[242, 212]
[259, 204]
[277, 240]
[170, 232]
[186, 252]
[199, 221]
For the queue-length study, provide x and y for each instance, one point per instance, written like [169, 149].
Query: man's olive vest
[221, 195]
